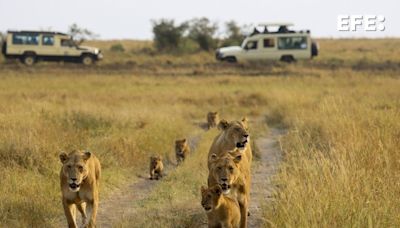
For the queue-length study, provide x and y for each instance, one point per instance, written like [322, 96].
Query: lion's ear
[218, 190]
[215, 113]
[237, 158]
[63, 157]
[245, 122]
[184, 140]
[86, 155]
[213, 157]
[203, 189]
[223, 125]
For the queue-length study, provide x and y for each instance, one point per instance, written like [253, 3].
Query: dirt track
[124, 202]
[263, 171]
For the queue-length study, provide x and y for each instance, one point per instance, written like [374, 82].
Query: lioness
[222, 211]
[212, 119]
[232, 173]
[234, 135]
[182, 149]
[156, 167]
[79, 179]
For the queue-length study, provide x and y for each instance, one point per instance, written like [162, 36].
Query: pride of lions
[225, 199]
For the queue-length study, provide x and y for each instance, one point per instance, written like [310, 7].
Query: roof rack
[35, 31]
[282, 28]
[276, 24]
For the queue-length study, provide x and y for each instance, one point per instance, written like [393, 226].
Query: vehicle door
[68, 48]
[252, 50]
[48, 45]
[269, 49]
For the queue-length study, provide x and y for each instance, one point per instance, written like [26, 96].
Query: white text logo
[370, 23]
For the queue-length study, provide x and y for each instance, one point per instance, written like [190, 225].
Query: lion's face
[225, 170]
[75, 168]
[155, 161]
[210, 197]
[180, 145]
[236, 132]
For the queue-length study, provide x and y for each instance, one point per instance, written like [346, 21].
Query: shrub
[188, 46]
[167, 35]
[202, 31]
[117, 48]
[234, 34]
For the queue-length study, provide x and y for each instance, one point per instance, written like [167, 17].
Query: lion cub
[156, 167]
[182, 150]
[221, 210]
[212, 119]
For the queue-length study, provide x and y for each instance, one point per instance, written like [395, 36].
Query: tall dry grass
[341, 165]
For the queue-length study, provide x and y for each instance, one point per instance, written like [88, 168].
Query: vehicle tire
[314, 49]
[230, 59]
[29, 59]
[87, 60]
[287, 58]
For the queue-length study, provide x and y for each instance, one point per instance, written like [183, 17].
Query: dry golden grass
[341, 154]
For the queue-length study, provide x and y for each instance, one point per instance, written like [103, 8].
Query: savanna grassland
[341, 111]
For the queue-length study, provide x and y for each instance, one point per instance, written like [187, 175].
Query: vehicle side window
[48, 40]
[66, 43]
[25, 38]
[268, 43]
[296, 42]
[251, 45]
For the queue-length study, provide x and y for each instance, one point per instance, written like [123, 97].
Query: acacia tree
[80, 34]
[234, 34]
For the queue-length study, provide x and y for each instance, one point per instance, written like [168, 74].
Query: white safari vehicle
[282, 44]
[30, 46]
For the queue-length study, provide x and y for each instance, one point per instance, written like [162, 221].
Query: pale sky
[130, 19]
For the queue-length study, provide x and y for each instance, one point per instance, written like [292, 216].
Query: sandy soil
[263, 171]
